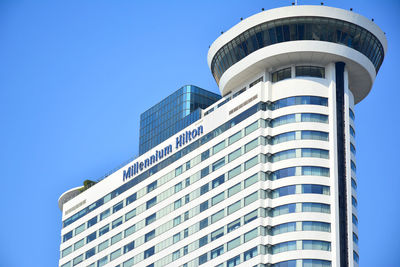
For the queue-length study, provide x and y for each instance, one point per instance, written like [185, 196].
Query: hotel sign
[180, 141]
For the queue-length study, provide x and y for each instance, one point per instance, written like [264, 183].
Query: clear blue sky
[75, 76]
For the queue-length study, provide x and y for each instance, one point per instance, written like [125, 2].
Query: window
[250, 163]
[187, 182]
[103, 261]
[355, 220]
[233, 262]
[150, 219]
[116, 238]
[178, 171]
[149, 236]
[91, 222]
[204, 206]
[176, 237]
[187, 198]
[203, 241]
[251, 198]
[177, 204]
[281, 75]
[316, 245]
[91, 237]
[186, 232]
[102, 246]
[118, 206]
[235, 137]
[218, 164]
[235, 171]
[351, 114]
[130, 230]
[204, 172]
[68, 264]
[218, 198]
[284, 209]
[79, 229]
[310, 71]
[283, 247]
[104, 230]
[355, 257]
[218, 147]
[218, 181]
[251, 128]
[150, 203]
[315, 189]
[316, 226]
[66, 251]
[67, 236]
[115, 254]
[128, 247]
[354, 201]
[117, 222]
[151, 186]
[176, 255]
[203, 223]
[251, 180]
[204, 189]
[131, 199]
[104, 214]
[149, 252]
[79, 244]
[177, 220]
[217, 233]
[203, 259]
[355, 238]
[186, 215]
[352, 132]
[250, 216]
[353, 166]
[217, 251]
[234, 189]
[283, 228]
[256, 81]
[316, 207]
[353, 184]
[234, 207]
[205, 155]
[235, 154]
[251, 253]
[178, 187]
[250, 235]
[284, 191]
[233, 225]
[249, 146]
[130, 214]
[352, 148]
[77, 260]
[90, 253]
[217, 216]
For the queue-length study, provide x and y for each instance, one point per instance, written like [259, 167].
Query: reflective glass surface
[173, 114]
[295, 29]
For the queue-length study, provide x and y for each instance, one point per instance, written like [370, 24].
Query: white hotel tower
[265, 177]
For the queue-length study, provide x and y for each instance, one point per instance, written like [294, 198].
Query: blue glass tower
[172, 114]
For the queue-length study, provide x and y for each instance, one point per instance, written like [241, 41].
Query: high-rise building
[172, 114]
[266, 176]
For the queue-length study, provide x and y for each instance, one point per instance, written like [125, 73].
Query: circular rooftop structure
[299, 34]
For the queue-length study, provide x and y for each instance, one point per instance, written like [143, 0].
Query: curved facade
[297, 29]
[266, 177]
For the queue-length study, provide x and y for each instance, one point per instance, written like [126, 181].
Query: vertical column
[341, 154]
